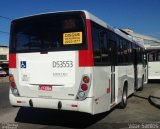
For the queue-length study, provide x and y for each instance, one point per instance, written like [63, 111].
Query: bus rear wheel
[123, 103]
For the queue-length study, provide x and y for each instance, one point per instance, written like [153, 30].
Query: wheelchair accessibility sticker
[23, 64]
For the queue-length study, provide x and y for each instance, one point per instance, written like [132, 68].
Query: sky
[143, 16]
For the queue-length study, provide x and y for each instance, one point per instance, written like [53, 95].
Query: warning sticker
[72, 38]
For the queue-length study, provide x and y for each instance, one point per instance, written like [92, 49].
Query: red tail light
[84, 87]
[12, 60]
[13, 85]
[12, 82]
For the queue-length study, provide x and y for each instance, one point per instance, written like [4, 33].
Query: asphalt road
[138, 114]
[4, 91]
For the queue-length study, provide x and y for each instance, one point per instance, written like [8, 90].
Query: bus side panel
[101, 77]
[130, 79]
[153, 70]
[126, 74]
[121, 78]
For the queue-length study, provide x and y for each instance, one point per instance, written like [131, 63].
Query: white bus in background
[72, 61]
[153, 60]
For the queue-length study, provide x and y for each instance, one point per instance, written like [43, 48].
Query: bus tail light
[81, 94]
[86, 79]
[84, 88]
[11, 78]
[13, 85]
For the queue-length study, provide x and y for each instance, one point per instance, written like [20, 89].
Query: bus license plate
[45, 88]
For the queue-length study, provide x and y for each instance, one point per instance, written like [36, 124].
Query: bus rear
[51, 62]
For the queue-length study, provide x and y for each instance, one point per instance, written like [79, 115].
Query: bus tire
[123, 103]
[142, 85]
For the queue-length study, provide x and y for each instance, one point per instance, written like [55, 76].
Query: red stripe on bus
[12, 60]
[86, 56]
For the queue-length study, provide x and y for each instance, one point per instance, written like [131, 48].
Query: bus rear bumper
[71, 105]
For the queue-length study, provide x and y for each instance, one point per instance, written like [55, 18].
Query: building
[147, 41]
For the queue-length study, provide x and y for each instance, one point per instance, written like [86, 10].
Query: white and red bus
[72, 61]
[153, 62]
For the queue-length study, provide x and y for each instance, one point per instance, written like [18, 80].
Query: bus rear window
[49, 32]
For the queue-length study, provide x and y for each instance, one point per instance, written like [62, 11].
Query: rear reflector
[74, 105]
[12, 60]
[19, 101]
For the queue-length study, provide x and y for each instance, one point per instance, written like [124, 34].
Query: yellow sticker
[72, 38]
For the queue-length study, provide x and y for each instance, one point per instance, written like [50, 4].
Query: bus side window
[100, 45]
[150, 57]
[130, 52]
[104, 50]
[96, 45]
[120, 51]
[112, 48]
[158, 56]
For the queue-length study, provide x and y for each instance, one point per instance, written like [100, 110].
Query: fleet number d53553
[62, 64]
